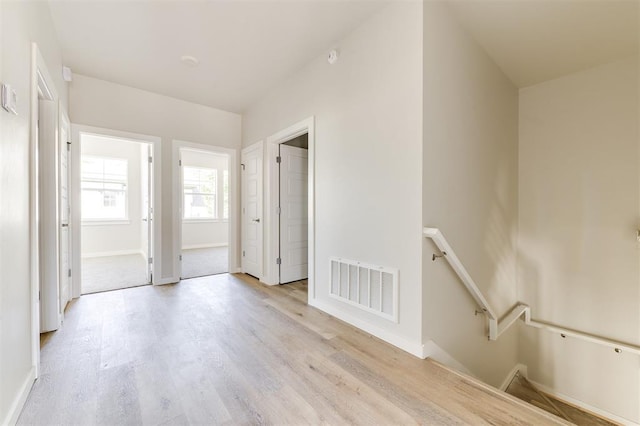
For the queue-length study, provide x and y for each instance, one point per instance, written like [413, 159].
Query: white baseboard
[21, 398]
[111, 253]
[583, 405]
[414, 348]
[510, 376]
[199, 246]
[432, 350]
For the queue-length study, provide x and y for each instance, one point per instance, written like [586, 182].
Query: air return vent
[368, 287]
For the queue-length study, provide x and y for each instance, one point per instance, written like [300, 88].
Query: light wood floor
[227, 350]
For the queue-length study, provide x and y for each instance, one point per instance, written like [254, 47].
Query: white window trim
[200, 220]
[103, 222]
[107, 221]
[216, 217]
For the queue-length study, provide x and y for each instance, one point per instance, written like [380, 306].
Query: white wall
[368, 144]
[115, 238]
[579, 213]
[469, 192]
[103, 104]
[20, 24]
[209, 233]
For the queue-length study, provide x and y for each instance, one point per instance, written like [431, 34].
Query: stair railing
[498, 326]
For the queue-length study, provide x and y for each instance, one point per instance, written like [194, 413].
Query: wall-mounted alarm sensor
[67, 75]
[9, 99]
[333, 57]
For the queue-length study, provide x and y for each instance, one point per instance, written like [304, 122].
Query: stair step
[486, 401]
[521, 388]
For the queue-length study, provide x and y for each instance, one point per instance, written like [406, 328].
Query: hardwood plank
[118, 400]
[228, 350]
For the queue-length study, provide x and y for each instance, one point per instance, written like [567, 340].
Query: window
[200, 193]
[104, 188]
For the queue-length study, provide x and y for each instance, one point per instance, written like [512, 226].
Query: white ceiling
[538, 40]
[247, 47]
[244, 47]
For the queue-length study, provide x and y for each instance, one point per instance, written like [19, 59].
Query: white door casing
[271, 269]
[178, 198]
[251, 209]
[64, 151]
[293, 224]
[155, 176]
[146, 188]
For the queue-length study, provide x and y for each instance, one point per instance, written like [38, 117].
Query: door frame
[42, 86]
[65, 145]
[177, 202]
[77, 130]
[271, 232]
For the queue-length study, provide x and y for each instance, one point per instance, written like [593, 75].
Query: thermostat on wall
[9, 99]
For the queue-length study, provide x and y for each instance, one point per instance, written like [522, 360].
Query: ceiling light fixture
[191, 61]
[332, 58]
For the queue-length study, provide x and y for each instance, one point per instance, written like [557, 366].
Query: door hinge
[242, 165]
[179, 162]
[151, 159]
[278, 159]
[279, 210]
[150, 260]
[243, 254]
[180, 257]
[278, 261]
[69, 274]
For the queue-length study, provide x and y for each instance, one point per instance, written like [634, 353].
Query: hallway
[227, 349]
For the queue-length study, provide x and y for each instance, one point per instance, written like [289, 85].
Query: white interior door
[146, 237]
[48, 215]
[65, 212]
[293, 214]
[252, 226]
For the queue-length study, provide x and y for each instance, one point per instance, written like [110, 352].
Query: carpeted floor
[204, 261]
[112, 273]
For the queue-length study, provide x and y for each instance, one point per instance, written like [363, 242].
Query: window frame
[106, 221]
[216, 216]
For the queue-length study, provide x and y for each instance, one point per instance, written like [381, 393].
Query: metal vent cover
[368, 287]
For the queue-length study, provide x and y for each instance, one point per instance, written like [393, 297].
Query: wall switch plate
[9, 99]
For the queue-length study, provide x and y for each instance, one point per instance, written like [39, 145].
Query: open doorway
[116, 211]
[289, 200]
[204, 188]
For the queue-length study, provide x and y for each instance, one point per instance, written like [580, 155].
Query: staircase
[522, 389]
[472, 401]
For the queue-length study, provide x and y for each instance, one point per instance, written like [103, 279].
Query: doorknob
[256, 220]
